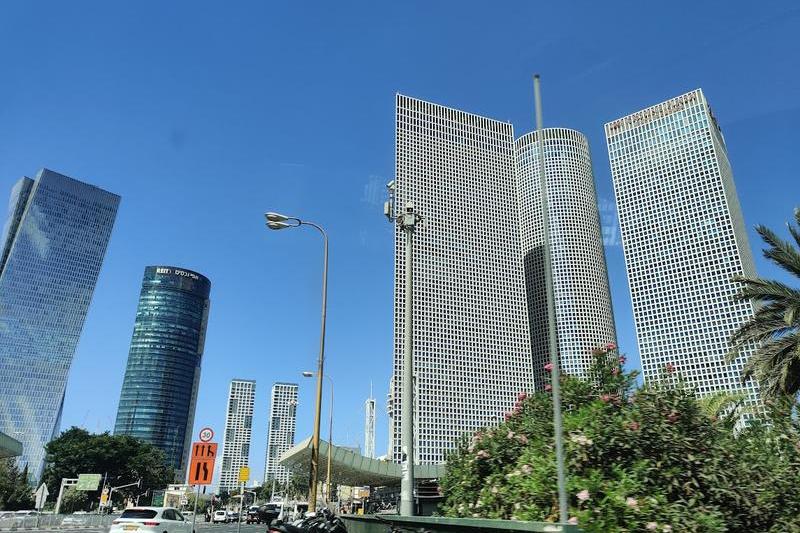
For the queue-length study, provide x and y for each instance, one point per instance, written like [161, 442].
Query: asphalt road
[200, 527]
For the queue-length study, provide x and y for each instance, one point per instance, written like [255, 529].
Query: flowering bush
[638, 459]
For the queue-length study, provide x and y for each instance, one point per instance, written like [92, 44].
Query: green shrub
[638, 459]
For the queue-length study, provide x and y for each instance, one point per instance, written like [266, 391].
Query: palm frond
[782, 253]
[761, 290]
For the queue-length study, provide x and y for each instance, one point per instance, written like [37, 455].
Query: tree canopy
[15, 493]
[123, 459]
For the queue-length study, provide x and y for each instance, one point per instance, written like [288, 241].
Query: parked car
[220, 517]
[151, 519]
[264, 514]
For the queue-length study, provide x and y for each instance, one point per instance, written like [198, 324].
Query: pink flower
[673, 416]
[522, 439]
[631, 502]
[549, 367]
[611, 346]
[615, 371]
[548, 387]
[483, 454]
[633, 426]
[622, 359]
[573, 520]
[605, 398]
[583, 495]
[521, 396]
[670, 368]
[651, 526]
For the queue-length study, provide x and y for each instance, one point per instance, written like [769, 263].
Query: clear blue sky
[204, 115]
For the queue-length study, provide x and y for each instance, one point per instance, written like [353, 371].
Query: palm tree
[775, 326]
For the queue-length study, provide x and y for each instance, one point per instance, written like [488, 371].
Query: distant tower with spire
[369, 426]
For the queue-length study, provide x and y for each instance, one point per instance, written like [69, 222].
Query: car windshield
[139, 513]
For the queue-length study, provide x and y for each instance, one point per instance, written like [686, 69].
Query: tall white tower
[584, 316]
[369, 426]
[684, 238]
[238, 431]
[280, 434]
[471, 339]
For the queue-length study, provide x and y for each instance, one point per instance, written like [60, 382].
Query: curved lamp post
[276, 221]
[330, 438]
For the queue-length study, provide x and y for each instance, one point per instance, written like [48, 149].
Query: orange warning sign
[201, 469]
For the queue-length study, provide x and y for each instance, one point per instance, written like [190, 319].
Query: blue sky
[204, 115]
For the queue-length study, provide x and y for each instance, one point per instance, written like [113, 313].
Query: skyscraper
[369, 427]
[472, 353]
[280, 434]
[238, 430]
[684, 238]
[159, 391]
[584, 317]
[52, 248]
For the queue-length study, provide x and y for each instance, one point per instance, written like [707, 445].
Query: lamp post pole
[330, 440]
[408, 221]
[551, 311]
[277, 221]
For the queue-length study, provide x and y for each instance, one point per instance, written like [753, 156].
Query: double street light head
[308, 374]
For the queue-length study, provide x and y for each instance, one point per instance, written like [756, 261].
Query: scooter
[323, 522]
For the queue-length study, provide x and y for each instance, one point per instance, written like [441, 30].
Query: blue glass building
[159, 392]
[51, 249]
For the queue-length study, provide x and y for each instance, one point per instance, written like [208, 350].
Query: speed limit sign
[206, 434]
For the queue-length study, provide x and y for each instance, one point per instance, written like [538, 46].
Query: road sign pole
[241, 506]
[194, 515]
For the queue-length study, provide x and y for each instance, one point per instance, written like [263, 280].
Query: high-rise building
[472, 352]
[53, 245]
[280, 434]
[584, 316]
[159, 392]
[684, 238]
[238, 430]
[369, 427]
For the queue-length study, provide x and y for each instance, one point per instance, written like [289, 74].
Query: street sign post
[89, 482]
[206, 434]
[201, 468]
[41, 495]
[244, 474]
[104, 497]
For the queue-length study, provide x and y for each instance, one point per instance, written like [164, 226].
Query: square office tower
[471, 340]
[684, 238]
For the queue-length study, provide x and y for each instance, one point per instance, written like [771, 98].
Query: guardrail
[436, 524]
[56, 521]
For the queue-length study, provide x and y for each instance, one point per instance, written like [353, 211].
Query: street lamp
[276, 221]
[307, 374]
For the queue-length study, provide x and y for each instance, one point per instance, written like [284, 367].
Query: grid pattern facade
[159, 391]
[471, 340]
[584, 316]
[684, 238]
[54, 242]
[369, 428]
[238, 431]
[280, 434]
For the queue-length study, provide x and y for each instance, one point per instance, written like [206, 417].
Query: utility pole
[555, 373]
[407, 220]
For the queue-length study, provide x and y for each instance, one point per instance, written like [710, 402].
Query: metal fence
[56, 521]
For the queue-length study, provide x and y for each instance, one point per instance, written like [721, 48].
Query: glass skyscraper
[53, 245]
[159, 391]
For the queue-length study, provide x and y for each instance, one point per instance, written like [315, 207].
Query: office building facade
[238, 431]
[159, 391]
[683, 237]
[584, 315]
[53, 244]
[280, 433]
[471, 334]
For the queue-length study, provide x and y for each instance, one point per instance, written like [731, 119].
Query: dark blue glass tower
[159, 392]
[51, 249]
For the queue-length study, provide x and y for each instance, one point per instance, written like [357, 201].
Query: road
[201, 527]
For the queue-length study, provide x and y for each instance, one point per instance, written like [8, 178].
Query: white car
[151, 520]
[220, 517]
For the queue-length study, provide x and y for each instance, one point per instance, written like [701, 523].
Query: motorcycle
[323, 522]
